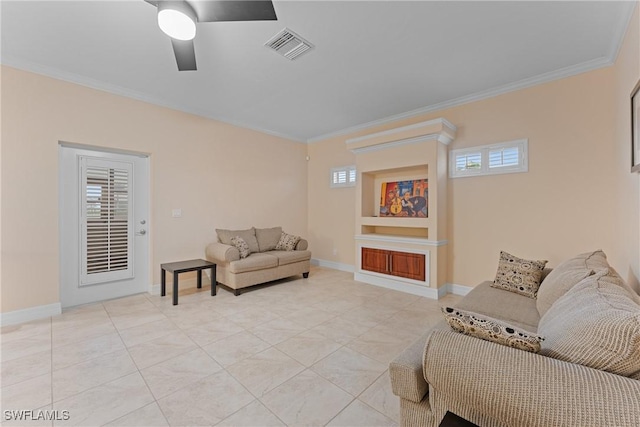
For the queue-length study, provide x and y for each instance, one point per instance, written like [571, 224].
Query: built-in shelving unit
[408, 153]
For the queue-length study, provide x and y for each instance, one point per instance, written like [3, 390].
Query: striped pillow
[566, 275]
[596, 324]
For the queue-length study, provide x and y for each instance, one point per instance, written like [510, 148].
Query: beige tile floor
[300, 352]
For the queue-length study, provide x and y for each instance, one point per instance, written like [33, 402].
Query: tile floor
[301, 352]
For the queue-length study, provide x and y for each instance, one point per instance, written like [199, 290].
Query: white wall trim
[414, 126]
[396, 239]
[155, 289]
[478, 96]
[455, 289]
[423, 291]
[31, 313]
[128, 93]
[333, 265]
[391, 144]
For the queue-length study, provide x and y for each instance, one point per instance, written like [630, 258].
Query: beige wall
[626, 222]
[218, 174]
[331, 210]
[577, 196]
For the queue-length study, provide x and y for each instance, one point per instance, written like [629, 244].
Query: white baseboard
[333, 265]
[458, 289]
[31, 313]
[154, 289]
[449, 288]
[396, 285]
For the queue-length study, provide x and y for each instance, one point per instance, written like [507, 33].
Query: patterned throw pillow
[518, 275]
[287, 242]
[490, 329]
[242, 246]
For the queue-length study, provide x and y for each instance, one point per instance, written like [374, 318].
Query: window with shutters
[343, 177]
[505, 157]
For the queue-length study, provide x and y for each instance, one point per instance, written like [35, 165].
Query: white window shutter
[343, 177]
[505, 157]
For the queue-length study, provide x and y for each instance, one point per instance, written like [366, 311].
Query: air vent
[289, 44]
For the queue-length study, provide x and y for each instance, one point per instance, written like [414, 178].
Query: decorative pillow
[490, 329]
[518, 275]
[596, 324]
[287, 242]
[242, 246]
[566, 275]
[248, 236]
[268, 238]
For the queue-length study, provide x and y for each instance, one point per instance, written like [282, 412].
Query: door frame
[142, 265]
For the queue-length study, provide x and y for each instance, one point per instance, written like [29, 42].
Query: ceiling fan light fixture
[177, 20]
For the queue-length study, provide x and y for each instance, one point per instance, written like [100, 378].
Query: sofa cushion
[518, 275]
[241, 245]
[248, 236]
[287, 242]
[289, 257]
[255, 261]
[490, 329]
[268, 238]
[567, 275]
[596, 324]
[515, 309]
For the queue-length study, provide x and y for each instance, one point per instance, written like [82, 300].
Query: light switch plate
[176, 213]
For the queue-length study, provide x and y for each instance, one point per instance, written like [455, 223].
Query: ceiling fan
[178, 18]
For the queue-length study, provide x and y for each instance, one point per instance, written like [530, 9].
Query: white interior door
[104, 244]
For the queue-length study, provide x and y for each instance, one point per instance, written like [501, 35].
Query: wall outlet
[176, 213]
[335, 251]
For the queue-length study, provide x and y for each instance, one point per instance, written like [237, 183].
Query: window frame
[485, 151]
[348, 170]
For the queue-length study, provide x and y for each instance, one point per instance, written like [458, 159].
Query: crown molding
[478, 96]
[128, 93]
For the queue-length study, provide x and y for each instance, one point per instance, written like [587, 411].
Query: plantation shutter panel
[106, 221]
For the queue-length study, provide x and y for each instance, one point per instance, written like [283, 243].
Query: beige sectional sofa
[263, 264]
[586, 374]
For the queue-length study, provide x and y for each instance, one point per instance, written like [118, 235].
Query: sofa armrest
[405, 371]
[511, 387]
[220, 253]
[302, 245]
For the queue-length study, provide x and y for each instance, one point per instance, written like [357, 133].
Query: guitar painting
[405, 198]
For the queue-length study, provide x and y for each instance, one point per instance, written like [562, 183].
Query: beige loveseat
[591, 320]
[263, 264]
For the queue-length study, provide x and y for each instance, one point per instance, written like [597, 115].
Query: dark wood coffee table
[182, 267]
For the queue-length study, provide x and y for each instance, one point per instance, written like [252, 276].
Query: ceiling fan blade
[234, 10]
[185, 54]
[230, 10]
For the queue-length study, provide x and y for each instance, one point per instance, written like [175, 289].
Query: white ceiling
[372, 60]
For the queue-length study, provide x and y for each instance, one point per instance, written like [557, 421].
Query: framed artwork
[405, 199]
[635, 129]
